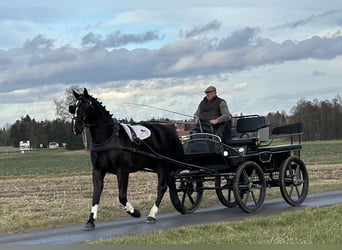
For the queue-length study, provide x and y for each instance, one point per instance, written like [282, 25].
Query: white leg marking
[154, 211]
[129, 208]
[94, 211]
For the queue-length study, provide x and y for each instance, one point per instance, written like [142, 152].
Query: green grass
[53, 162]
[308, 226]
[322, 152]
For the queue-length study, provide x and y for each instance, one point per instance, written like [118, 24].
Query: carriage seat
[247, 131]
[289, 129]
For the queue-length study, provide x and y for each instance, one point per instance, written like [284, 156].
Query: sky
[262, 56]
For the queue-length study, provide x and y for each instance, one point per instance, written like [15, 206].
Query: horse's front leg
[98, 177]
[122, 177]
[161, 189]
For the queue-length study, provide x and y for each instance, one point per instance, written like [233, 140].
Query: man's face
[210, 95]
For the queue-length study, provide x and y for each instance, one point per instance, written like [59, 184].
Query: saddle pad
[141, 132]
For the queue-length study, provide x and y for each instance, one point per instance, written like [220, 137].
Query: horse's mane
[99, 104]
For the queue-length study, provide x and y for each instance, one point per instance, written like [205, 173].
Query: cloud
[240, 86]
[117, 39]
[310, 19]
[238, 39]
[39, 62]
[38, 43]
[317, 73]
[212, 25]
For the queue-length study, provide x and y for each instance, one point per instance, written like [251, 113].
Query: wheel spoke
[290, 170]
[298, 191]
[254, 198]
[224, 187]
[183, 199]
[290, 190]
[245, 175]
[297, 172]
[229, 195]
[245, 199]
[252, 175]
[190, 198]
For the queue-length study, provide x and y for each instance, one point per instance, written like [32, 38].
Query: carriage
[239, 165]
[240, 168]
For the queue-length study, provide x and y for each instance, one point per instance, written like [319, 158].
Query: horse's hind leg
[98, 177]
[122, 177]
[162, 187]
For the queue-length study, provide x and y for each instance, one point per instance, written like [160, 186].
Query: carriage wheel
[293, 181]
[186, 192]
[249, 186]
[224, 191]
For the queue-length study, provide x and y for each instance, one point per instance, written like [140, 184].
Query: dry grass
[34, 203]
[46, 202]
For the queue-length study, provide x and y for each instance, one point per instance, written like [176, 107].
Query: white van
[53, 145]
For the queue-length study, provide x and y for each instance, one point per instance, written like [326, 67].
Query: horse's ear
[77, 95]
[85, 92]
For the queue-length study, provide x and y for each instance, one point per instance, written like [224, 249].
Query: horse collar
[111, 143]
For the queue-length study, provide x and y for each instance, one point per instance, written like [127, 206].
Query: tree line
[40, 133]
[322, 120]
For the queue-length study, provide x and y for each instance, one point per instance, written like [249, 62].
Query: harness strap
[110, 143]
[135, 138]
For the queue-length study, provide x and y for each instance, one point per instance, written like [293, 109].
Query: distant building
[24, 145]
[180, 129]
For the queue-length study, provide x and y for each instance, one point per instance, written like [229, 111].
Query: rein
[89, 125]
[158, 156]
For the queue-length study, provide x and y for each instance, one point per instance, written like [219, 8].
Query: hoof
[135, 214]
[150, 219]
[89, 226]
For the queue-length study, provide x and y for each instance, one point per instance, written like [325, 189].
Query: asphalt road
[76, 234]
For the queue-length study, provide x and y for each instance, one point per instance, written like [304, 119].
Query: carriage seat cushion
[136, 131]
[294, 128]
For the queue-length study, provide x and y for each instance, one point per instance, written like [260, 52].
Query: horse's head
[82, 110]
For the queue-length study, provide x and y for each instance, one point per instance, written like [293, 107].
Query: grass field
[322, 226]
[44, 163]
[49, 189]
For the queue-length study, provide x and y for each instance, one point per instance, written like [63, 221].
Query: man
[211, 114]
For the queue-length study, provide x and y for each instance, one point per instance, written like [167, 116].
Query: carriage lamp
[225, 153]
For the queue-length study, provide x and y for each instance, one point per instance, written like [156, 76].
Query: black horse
[114, 151]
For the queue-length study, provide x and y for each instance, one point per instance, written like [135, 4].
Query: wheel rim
[249, 187]
[187, 194]
[294, 181]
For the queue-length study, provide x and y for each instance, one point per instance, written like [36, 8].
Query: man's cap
[210, 89]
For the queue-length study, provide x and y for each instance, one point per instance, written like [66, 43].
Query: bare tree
[62, 108]
[62, 104]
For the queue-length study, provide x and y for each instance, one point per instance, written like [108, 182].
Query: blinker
[72, 109]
